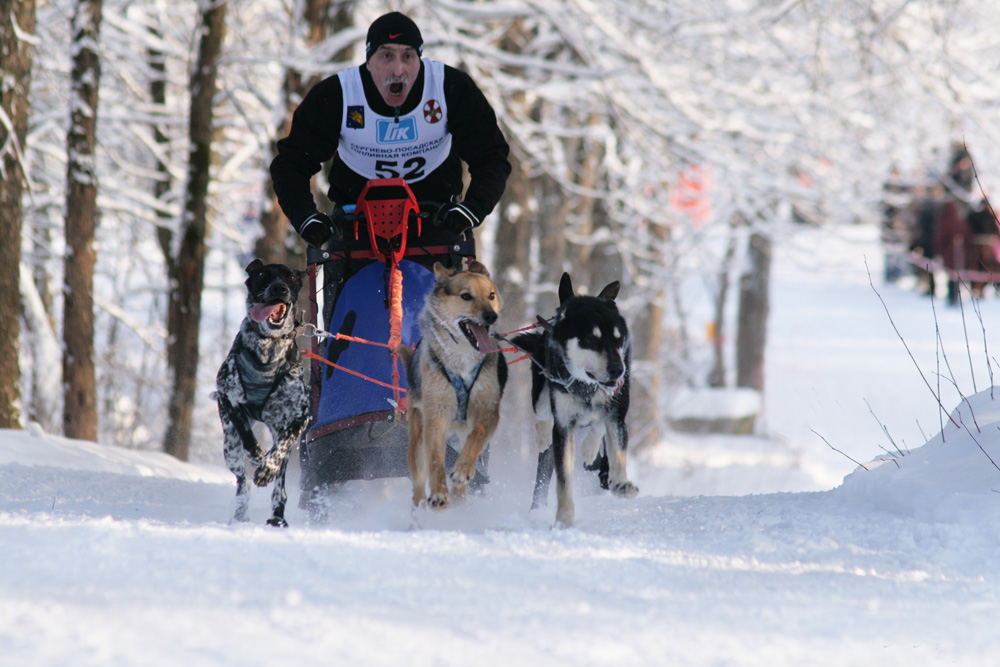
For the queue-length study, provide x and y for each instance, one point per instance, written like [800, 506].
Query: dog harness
[258, 380]
[462, 390]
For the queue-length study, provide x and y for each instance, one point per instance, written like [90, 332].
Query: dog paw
[458, 493]
[277, 522]
[462, 475]
[625, 489]
[564, 520]
[438, 501]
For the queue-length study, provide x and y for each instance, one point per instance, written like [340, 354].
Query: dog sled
[373, 289]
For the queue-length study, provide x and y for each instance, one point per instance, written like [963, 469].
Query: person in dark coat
[986, 241]
[953, 243]
[922, 244]
[397, 115]
[394, 116]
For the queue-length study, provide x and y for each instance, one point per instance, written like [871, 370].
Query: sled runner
[374, 287]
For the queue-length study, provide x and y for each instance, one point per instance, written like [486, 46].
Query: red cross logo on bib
[432, 111]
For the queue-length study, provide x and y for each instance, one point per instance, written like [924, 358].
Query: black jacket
[315, 132]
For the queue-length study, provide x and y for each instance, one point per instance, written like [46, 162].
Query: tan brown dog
[456, 376]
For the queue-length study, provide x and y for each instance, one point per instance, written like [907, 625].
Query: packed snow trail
[738, 551]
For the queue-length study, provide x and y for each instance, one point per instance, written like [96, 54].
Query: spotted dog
[580, 383]
[261, 380]
[456, 376]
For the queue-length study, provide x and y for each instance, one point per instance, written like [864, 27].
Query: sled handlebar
[427, 210]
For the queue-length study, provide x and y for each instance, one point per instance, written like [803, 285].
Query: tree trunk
[550, 232]
[79, 375]
[272, 246]
[513, 245]
[717, 378]
[17, 18]
[158, 93]
[511, 268]
[753, 311]
[187, 281]
[588, 214]
[648, 342]
[511, 272]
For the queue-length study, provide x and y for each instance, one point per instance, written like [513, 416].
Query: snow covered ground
[738, 551]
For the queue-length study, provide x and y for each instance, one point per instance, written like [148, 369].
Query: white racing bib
[409, 147]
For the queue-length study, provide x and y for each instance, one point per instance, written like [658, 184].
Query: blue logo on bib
[393, 132]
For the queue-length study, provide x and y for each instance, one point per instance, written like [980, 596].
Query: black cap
[393, 28]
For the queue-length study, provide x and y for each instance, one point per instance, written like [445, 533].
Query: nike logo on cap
[392, 36]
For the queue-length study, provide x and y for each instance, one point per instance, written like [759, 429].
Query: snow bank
[37, 448]
[953, 478]
[728, 410]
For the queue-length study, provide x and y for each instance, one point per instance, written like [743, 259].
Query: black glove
[319, 228]
[455, 218]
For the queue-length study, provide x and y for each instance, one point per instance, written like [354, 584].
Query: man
[394, 116]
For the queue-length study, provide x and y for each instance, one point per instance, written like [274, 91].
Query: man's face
[394, 68]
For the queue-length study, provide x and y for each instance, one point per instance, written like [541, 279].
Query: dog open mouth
[478, 336]
[274, 313]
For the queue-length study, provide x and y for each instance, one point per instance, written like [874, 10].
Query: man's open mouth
[396, 88]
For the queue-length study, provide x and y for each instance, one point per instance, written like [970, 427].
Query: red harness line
[396, 329]
[311, 355]
[354, 339]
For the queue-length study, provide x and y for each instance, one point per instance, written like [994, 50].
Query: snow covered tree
[610, 107]
[187, 268]
[307, 63]
[754, 306]
[17, 23]
[79, 372]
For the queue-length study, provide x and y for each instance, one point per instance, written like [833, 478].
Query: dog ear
[255, 264]
[565, 289]
[610, 291]
[440, 272]
[478, 267]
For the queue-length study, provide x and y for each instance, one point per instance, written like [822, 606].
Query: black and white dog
[262, 380]
[580, 382]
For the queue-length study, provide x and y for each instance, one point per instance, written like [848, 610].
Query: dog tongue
[261, 312]
[486, 343]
